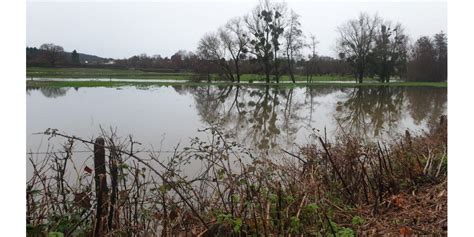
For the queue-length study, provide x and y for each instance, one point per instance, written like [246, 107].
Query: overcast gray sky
[123, 29]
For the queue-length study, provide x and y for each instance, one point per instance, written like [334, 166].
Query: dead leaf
[399, 201]
[406, 231]
[88, 170]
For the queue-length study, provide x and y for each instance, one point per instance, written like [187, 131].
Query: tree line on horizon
[269, 41]
[51, 55]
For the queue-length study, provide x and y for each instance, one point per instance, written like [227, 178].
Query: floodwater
[264, 119]
[161, 80]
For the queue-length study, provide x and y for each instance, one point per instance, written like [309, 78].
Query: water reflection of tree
[48, 91]
[267, 118]
[209, 101]
[426, 104]
[264, 117]
[310, 94]
[31, 88]
[367, 111]
[262, 108]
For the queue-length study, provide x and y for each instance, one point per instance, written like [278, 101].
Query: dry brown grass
[341, 188]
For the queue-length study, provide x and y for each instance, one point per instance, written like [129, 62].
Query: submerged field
[269, 116]
[39, 72]
[92, 83]
[92, 77]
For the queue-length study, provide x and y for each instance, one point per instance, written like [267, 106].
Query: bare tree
[266, 24]
[311, 64]
[212, 49]
[356, 40]
[52, 53]
[279, 26]
[294, 42]
[235, 40]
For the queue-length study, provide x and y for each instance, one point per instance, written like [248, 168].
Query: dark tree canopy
[441, 46]
[389, 55]
[75, 57]
[266, 24]
[429, 61]
[53, 53]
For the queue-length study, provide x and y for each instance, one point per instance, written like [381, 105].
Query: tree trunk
[290, 70]
[237, 70]
[229, 72]
[276, 65]
[361, 77]
[267, 72]
[208, 75]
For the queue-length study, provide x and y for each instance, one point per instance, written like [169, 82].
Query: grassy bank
[58, 84]
[41, 72]
[184, 78]
[328, 188]
[71, 73]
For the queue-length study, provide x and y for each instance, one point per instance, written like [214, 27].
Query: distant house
[110, 62]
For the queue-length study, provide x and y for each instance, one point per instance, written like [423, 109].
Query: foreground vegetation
[344, 187]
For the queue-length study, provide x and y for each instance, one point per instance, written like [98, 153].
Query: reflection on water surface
[262, 118]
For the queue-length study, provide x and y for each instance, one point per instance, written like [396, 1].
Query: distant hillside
[89, 58]
[33, 56]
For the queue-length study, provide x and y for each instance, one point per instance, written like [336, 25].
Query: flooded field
[261, 118]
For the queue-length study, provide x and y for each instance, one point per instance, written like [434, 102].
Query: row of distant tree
[367, 46]
[181, 61]
[269, 41]
[429, 59]
[51, 55]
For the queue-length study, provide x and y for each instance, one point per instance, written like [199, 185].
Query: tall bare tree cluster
[266, 24]
[235, 40]
[378, 48]
[368, 47]
[226, 47]
[269, 34]
[294, 43]
[356, 41]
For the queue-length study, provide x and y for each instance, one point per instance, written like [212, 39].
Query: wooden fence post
[113, 217]
[101, 189]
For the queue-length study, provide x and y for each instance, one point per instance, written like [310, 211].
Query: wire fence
[142, 151]
[85, 151]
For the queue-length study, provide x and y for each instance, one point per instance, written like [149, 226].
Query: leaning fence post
[101, 189]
